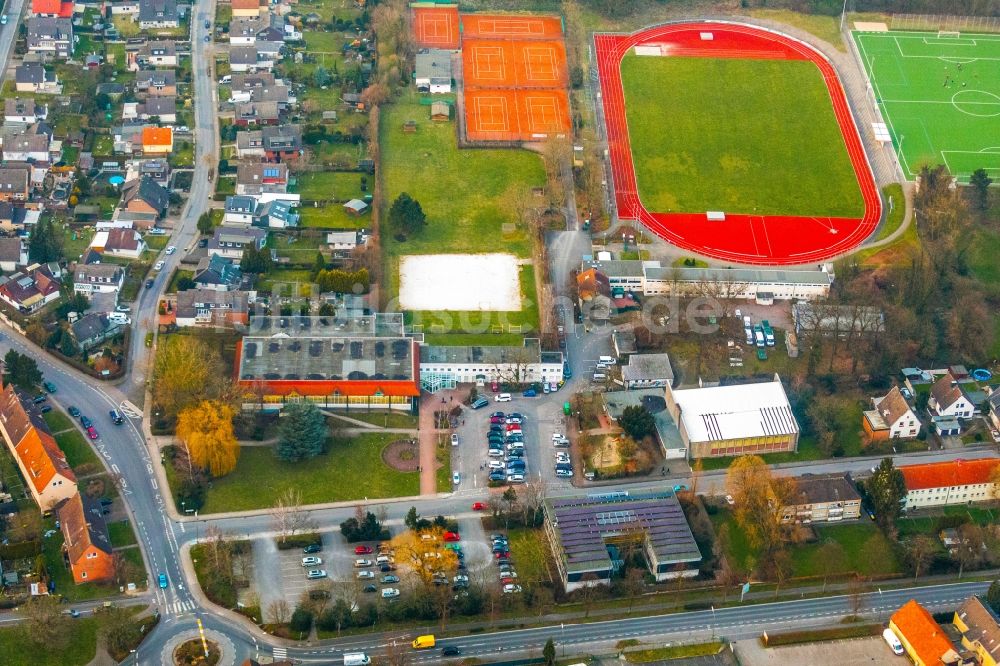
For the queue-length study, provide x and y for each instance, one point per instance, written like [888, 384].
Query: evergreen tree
[637, 422]
[205, 223]
[301, 433]
[255, 261]
[22, 370]
[980, 182]
[406, 215]
[44, 242]
[549, 653]
[886, 490]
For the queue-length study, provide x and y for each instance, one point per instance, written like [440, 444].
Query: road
[8, 33]
[185, 232]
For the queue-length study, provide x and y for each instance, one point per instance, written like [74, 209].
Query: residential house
[86, 542]
[734, 420]
[821, 498]
[125, 8]
[239, 210]
[980, 629]
[248, 59]
[243, 30]
[157, 82]
[163, 109]
[250, 144]
[33, 77]
[119, 243]
[52, 8]
[255, 177]
[281, 142]
[22, 110]
[127, 138]
[13, 253]
[27, 146]
[217, 273]
[43, 465]
[951, 482]
[947, 399]
[230, 242]
[158, 14]
[205, 307]
[647, 371]
[890, 418]
[94, 328]
[157, 53]
[98, 278]
[13, 185]
[924, 640]
[144, 202]
[50, 37]
[246, 8]
[256, 113]
[12, 218]
[31, 289]
[268, 51]
[275, 214]
[156, 170]
[247, 81]
[157, 140]
[112, 89]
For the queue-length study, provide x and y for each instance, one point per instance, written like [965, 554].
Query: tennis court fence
[944, 22]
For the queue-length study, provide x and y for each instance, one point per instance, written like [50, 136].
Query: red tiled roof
[925, 636]
[122, 239]
[246, 4]
[157, 136]
[948, 474]
[62, 9]
[34, 446]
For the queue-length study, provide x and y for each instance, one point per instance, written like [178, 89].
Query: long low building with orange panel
[368, 367]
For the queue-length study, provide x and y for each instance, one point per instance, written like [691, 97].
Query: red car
[363, 550]
[503, 556]
[478, 506]
[496, 419]
[451, 536]
[511, 427]
[92, 432]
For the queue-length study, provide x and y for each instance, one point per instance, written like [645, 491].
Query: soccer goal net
[949, 34]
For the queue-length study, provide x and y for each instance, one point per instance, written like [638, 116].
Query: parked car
[313, 548]
[450, 651]
[456, 478]
[49, 386]
[390, 593]
[149, 283]
[510, 588]
[564, 473]
[311, 561]
[158, 266]
[451, 536]
[480, 402]
[40, 398]
[74, 412]
[479, 506]
[116, 417]
[363, 550]
[92, 433]
[85, 422]
[386, 580]
[313, 574]
[362, 563]
[369, 588]
[454, 439]
[171, 249]
[362, 575]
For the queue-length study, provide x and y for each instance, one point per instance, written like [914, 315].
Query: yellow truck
[421, 642]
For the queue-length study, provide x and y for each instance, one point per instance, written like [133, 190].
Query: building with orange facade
[86, 542]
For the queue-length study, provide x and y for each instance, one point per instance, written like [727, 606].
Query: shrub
[298, 541]
[302, 620]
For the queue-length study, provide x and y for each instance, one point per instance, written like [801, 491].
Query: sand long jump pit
[459, 282]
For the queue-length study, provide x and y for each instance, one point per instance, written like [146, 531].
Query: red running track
[749, 239]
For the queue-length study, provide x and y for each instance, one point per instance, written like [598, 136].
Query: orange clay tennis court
[515, 115]
[436, 27]
[511, 26]
[514, 64]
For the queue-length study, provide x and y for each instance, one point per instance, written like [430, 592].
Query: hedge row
[816, 635]
[298, 541]
[21, 550]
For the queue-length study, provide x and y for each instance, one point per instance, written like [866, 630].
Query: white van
[356, 659]
[502, 397]
[599, 376]
[890, 638]
[606, 360]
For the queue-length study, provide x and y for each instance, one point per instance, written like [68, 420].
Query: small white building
[433, 71]
[950, 482]
[647, 371]
[481, 365]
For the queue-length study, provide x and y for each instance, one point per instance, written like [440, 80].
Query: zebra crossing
[280, 652]
[181, 607]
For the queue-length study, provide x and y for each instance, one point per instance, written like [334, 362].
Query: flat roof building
[525, 364]
[734, 420]
[588, 532]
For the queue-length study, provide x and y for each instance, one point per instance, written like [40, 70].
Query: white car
[515, 478]
[510, 588]
[311, 561]
[456, 478]
[495, 464]
[454, 439]
[390, 593]
[729, 500]
[460, 578]
[363, 575]
[313, 574]
[362, 563]
[510, 573]
[171, 249]
[123, 308]
[556, 436]
[158, 266]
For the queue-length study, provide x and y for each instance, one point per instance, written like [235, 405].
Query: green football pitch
[939, 96]
[744, 136]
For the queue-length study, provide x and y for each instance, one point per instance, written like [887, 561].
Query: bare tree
[288, 515]
[856, 595]
[278, 611]
[920, 551]
[635, 583]
[44, 623]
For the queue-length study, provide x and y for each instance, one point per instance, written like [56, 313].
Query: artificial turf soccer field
[741, 136]
[940, 97]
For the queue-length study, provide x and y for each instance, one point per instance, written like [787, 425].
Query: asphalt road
[8, 33]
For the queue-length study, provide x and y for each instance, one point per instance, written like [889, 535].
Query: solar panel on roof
[273, 347]
[356, 349]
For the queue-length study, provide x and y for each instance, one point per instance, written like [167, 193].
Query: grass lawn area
[300, 276]
[527, 318]
[331, 216]
[460, 191]
[894, 217]
[982, 256]
[443, 476]
[385, 419]
[721, 152]
[78, 451]
[156, 243]
[260, 477]
[176, 277]
[75, 240]
[57, 421]
[855, 540]
[826, 28]
[104, 144]
[324, 185]
[318, 41]
[121, 534]
[531, 552]
[183, 155]
[673, 652]
[81, 646]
